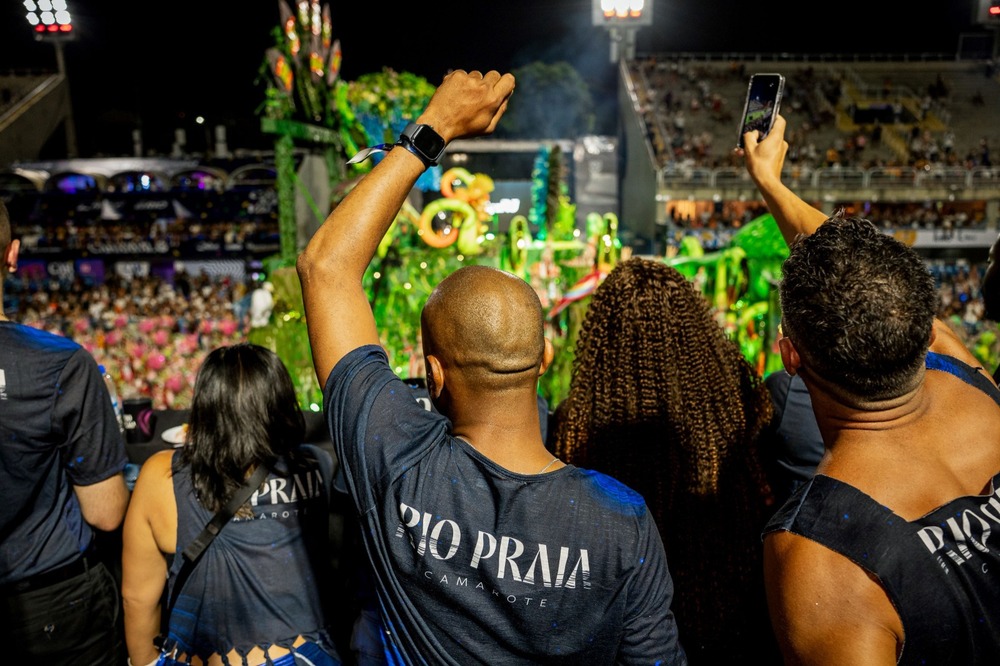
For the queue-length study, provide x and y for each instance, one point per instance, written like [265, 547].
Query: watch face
[427, 141]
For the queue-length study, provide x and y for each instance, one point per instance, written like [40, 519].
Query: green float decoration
[308, 105]
[740, 283]
[301, 109]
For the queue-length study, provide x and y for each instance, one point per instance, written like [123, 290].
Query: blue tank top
[259, 582]
[963, 371]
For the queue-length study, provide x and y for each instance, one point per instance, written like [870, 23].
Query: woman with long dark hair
[254, 596]
[663, 401]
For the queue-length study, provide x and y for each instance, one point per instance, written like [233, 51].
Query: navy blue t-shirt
[57, 429]
[477, 564]
[796, 445]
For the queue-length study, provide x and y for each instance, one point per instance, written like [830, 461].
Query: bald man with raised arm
[885, 556]
[484, 548]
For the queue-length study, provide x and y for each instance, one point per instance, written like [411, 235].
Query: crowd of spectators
[152, 334]
[714, 226]
[689, 109]
[960, 291]
[163, 234]
[919, 216]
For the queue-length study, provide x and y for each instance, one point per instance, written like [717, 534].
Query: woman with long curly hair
[663, 401]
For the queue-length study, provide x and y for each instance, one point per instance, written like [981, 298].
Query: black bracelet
[408, 145]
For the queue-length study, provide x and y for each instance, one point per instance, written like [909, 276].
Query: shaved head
[487, 323]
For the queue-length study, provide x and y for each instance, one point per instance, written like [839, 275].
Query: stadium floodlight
[51, 22]
[621, 13]
[49, 19]
[986, 13]
[622, 18]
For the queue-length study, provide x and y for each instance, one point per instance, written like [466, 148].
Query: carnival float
[564, 258]
[309, 105]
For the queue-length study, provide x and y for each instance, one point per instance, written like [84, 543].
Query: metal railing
[903, 177]
[741, 56]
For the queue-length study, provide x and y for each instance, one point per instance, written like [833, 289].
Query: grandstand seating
[818, 93]
[690, 103]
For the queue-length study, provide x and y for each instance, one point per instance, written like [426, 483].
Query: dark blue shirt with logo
[477, 564]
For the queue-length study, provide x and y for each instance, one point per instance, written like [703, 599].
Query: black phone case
[763, 101]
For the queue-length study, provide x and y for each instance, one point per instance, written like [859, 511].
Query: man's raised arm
[794, 216]
[338, 315]
[764, 161]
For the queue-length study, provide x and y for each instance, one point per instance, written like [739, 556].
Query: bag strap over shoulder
[192, 554]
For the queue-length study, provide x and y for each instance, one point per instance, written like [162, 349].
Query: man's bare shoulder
[824, 607]
[947, 342]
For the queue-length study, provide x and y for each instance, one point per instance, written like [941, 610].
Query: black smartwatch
[424, 142]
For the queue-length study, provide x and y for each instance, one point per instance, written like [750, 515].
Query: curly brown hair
[664, 402]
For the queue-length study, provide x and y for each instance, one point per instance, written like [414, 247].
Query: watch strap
[406, 142]
[408, 145]
[365, 153]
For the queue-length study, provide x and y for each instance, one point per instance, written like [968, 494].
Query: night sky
[159, 65]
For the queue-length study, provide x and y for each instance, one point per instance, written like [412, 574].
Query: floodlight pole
[621, 18]
[71, 150]
[52, 22]
[622, 43]
[616, 39]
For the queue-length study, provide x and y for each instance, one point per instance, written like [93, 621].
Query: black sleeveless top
[259, 582]
[939, 571]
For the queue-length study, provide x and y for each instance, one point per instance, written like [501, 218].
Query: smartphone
[761, 107]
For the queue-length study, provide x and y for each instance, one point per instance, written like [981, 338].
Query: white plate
[176, 435]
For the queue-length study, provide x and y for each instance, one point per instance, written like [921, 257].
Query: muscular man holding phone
[882, 557]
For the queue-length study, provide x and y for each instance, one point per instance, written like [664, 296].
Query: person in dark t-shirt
[796, 446]
[62, 458]
[484, 547]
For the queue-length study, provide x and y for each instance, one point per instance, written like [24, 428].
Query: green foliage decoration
[286, 335]
[384, 102]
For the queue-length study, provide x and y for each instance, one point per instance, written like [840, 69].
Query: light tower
[993, 22]
[622, 18]
[52, 22]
